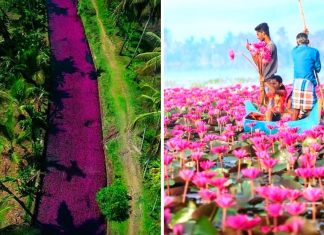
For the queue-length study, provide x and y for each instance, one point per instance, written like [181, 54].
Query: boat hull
[304, 124]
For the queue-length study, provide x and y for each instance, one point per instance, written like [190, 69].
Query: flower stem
[270, 179]
[314, 212]
[239, 169]
[224, 219]
[167, 178]
[252, 188]
[185, 192]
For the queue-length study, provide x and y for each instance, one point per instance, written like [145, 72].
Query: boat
[306, 123]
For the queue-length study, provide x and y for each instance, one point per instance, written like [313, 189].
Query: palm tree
[152, 59]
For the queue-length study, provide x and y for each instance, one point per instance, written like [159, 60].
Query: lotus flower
[186, 175]
[231, 54]
[239, 153]
[312, 195]
[242, 222]
[225, 201]
[295, 208]
[178, 229]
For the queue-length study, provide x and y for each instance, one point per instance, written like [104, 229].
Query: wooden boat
[306, 123]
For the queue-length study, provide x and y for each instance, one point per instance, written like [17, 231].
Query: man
[269, 69]
[306, 63]
[276, 96]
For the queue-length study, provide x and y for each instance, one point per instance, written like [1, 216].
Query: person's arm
[317, 62]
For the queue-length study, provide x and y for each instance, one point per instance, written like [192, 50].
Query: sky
[206, 18]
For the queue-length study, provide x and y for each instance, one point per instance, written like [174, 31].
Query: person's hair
[275, 77]
[263, 27]
[302, 38]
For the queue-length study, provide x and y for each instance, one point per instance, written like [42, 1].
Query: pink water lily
[186, 175]
[242, 222]
[295, 208]
[269, 163]
[225, 201]
[204, 126]
[240, 154]
[312, 195]
[231, 54]
[251, 173]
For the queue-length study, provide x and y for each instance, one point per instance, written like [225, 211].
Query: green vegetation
[113, 202]
[124, 39]
[24, 64]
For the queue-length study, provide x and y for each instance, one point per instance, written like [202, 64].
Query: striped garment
[303, 94]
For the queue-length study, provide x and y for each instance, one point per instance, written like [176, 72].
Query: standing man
[269, 69]
[306, 63]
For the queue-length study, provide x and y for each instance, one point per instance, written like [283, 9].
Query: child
[276, 96]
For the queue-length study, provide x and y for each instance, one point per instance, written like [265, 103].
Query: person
[307, 64]
[276, 97]
[269, 69]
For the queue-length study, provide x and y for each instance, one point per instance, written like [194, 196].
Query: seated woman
[276, 96]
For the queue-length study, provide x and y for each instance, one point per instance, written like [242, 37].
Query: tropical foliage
[24, 63]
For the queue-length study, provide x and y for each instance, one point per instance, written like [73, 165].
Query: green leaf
[171, 182]
[279, 167]
[320, 163]
[15, 157]
[218, 217]
[290, 183]
[183, 215]
[281, 155]
[204, 227]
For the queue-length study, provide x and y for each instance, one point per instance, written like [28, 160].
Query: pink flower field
[221, 180]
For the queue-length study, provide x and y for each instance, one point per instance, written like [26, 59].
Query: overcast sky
[206, 18]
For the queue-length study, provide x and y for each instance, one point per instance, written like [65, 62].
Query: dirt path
[125, 113]
[75, 161]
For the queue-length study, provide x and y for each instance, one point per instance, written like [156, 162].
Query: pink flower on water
[231, 54]
[225, 201]
[319, 172]
[168, 201]
[240, 153]
[277, 194]
[218, 182]
[200, 180]
[274, 210]
[312, 194]
[219, 149]
[167, 159]
[206, 165]
[293, 227]
[196, 156]
[178, 229]
[304, 172]
[269, 163]
[295, 208]
[293, 194]
[186, 174]
[207, 195]
[251, 173]
[242, 222]
[167, 215]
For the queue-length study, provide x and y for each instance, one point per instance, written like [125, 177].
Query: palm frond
[146, 56]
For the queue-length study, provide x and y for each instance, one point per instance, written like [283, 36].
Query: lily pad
[204, 227]
[183, 215]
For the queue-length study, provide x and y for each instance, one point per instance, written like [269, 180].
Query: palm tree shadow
[55, 9]
[70, 171]
[65, 224]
